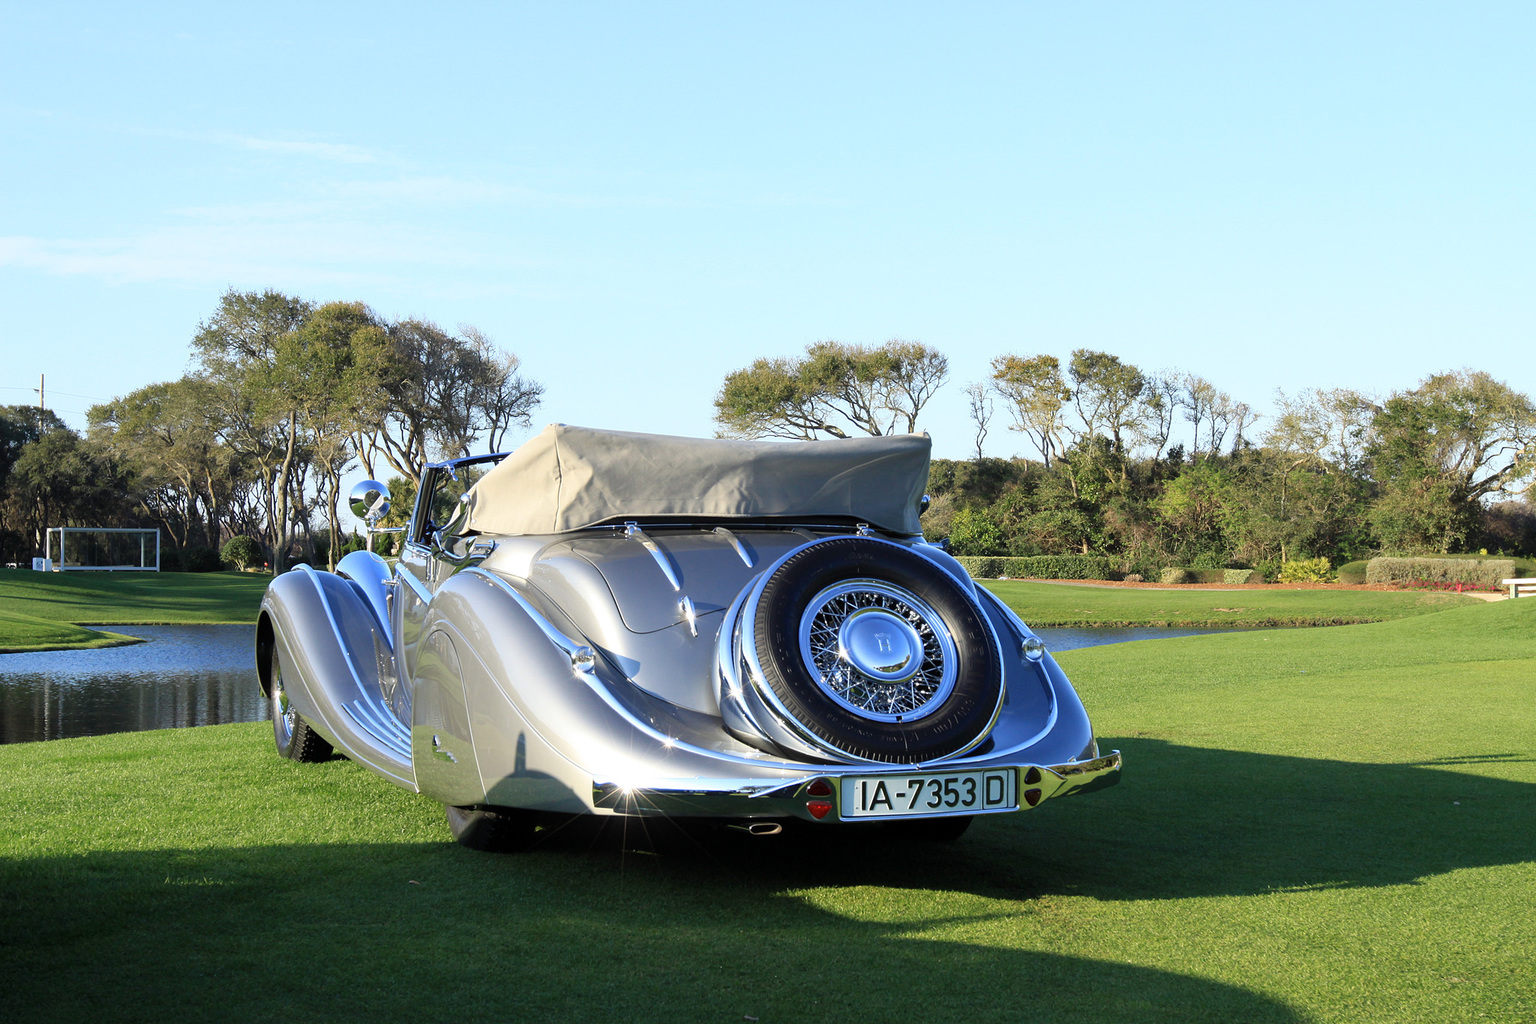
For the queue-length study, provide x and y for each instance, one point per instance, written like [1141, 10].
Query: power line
[67, 394]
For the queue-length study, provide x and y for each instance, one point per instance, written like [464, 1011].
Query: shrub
[1061, 567]
[1239, 576]
[974, 533]
[241, 552]
[1476, 571]
[191, 560]
[982, 567]
[1197, 574]
[1352, 572]
[1306, 570]
[1040, 567]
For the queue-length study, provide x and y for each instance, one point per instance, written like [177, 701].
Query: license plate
[917, 793]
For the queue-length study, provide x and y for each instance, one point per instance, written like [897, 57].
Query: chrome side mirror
[369, 500]
[923, 503]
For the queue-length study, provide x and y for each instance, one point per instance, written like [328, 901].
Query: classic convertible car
[608, 623]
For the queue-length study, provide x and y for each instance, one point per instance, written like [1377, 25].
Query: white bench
[1521, 587]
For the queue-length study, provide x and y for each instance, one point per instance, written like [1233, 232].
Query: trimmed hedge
[1486, 571]
[1352, 572]
[1236, 576]
[1039, 567]
[1189, 574]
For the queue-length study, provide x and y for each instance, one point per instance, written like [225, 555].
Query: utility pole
[42, 403]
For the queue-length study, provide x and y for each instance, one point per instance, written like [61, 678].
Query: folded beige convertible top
[570, 477]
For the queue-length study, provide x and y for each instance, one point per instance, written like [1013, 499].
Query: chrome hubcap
[881, 645]
[878, 650]
[284, 717]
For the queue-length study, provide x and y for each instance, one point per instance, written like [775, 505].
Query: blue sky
[639, 198]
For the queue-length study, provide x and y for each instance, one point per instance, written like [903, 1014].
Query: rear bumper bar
[755, 798]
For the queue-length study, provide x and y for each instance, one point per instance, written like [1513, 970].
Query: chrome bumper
[757, 798]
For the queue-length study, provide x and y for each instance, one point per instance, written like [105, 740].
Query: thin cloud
[338, 253]
[335, 152]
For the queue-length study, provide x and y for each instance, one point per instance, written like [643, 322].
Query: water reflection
[183, 676]
[205, 675]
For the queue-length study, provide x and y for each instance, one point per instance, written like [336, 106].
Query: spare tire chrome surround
[851, 671]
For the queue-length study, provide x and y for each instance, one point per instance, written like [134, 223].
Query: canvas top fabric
[568, 478]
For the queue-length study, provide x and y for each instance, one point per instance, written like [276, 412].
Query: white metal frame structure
[61, 563]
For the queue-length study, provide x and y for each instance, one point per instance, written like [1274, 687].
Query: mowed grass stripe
[132, 597]
[1063, 604]
[1323, 825]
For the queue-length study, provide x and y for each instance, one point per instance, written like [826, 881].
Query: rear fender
[541, 728]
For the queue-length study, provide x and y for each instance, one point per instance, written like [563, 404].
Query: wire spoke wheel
[878, 650]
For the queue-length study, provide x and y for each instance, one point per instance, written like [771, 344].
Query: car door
[434, 548]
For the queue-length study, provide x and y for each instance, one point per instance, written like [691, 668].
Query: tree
[980, 398]
[437, 392]
[241, 552]
[973, 532]
[330, 368]
[1035, 394]
[509, 398]
[1108, 395]
[834, 389]
[58, 480]
[1317, 434]
[168, 434]
[1439, 450]
[259, 410]
[1162, 405]
[20, 425]
[1193, 510]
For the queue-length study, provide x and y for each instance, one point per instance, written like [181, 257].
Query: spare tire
[868, 649]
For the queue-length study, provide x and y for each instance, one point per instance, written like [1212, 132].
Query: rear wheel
[294, 738]
[492, 831]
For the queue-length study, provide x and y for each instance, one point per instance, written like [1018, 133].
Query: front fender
[335, 660]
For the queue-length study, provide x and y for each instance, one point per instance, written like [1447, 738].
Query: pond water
[206, 675]
[182, 676]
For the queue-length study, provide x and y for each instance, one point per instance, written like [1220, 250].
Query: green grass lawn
[30, 601]
[1056, 604]
[1315, 825]
[26, 633]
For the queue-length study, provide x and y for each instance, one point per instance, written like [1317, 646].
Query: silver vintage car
[609, 623]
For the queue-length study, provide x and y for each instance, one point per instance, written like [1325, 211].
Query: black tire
[948, 724]
[930, 830]
[491, 831]
[293, 736]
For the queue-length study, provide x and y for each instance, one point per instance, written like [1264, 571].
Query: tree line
[283, 398]
[1164, 468]
[1152, 469]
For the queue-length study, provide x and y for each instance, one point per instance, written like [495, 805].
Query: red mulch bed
[1238, 586]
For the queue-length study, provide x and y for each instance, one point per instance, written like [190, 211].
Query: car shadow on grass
[654, 921]
[413, 931]
[1183, 822]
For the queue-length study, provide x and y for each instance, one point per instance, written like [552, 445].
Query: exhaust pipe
[758, 828]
